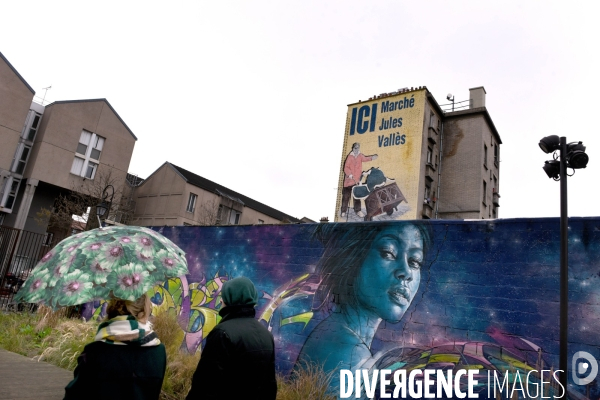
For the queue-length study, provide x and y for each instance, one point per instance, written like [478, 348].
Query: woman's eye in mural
[388, 251]
[415, 262]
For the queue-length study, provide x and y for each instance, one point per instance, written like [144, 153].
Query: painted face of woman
[390, 275]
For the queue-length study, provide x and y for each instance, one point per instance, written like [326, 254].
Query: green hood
[238, 292]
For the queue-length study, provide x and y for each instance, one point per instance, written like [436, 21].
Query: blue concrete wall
[442, 294]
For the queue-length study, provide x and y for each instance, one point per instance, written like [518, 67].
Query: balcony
[496, 198]
[432, 135]
[430, 172]
[427, 212]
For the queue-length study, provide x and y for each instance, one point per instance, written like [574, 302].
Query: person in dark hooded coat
[238, 359]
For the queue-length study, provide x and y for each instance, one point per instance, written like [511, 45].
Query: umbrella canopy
[118, 261]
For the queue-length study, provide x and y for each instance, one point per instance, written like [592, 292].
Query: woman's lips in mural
[399, 295]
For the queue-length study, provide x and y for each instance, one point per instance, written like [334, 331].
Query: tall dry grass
[66, 342]
[307, 382]
[59, 341]
[180, 365]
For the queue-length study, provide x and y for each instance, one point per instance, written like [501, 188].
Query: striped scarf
[126, 330]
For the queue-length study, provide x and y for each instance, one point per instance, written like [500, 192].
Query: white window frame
[31, 125]
[8, 192]
[85, 165]
[18, 160]
[191, 205]
[235, 217]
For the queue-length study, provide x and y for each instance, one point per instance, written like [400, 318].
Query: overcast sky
[253, 94]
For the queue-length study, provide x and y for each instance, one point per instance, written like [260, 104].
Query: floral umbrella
[118, 261]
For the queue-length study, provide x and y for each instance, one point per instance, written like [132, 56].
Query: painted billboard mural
[381, 158]
[402, 295]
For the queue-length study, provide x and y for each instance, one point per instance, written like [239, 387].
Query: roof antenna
[46, 92]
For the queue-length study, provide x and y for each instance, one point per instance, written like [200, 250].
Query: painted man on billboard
[352, 175]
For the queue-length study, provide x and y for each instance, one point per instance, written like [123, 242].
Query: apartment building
[55, 149]
[406, 157]
[174, 196]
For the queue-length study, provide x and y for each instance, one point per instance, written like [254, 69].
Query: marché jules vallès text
[364, 119]
[419, 384]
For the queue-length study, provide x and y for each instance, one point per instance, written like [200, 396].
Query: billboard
[381, 158]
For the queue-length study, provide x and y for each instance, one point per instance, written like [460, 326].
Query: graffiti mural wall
[400, 295]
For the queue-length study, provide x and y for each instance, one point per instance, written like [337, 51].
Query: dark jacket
[238, 360]
[109, 371]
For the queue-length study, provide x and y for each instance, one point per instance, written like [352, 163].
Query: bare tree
[207, 212]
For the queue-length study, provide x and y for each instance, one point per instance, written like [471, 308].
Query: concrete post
[26, 203]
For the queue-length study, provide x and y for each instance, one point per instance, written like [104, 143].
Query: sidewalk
[24, 378]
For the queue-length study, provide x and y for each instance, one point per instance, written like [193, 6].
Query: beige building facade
[173, 196]
[15, 99]
[55, 149]
[470, 186]
[406, 157]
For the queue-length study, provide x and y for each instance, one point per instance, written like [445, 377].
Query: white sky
[253, 94]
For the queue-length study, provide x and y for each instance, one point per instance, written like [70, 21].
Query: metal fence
[19, 252]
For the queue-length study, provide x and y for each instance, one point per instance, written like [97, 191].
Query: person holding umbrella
[119, 264]
[126, 360]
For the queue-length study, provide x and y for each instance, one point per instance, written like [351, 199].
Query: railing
[19, 252]
[458, 106]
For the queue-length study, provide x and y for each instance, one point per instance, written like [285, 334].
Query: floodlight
[550, 144]
[552, 169]
[576, 156]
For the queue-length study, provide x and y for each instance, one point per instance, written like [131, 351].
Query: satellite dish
[449, 97]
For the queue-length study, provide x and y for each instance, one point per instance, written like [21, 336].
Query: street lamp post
[103, 207]
[564, 267]
[573, 156]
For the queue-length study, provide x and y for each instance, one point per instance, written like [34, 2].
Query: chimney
[477, 97]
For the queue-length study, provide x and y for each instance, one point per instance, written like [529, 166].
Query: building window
[427, 196]
[496, 155]
[219, 215]
[431, 120]
[234, 218]
[485, 155]
[31, 125]
[9, 194]
[429, 155]
[191, 205]
[20, 160]
[484, 191]
[260, 222]
[439, 124]
[87, 155]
